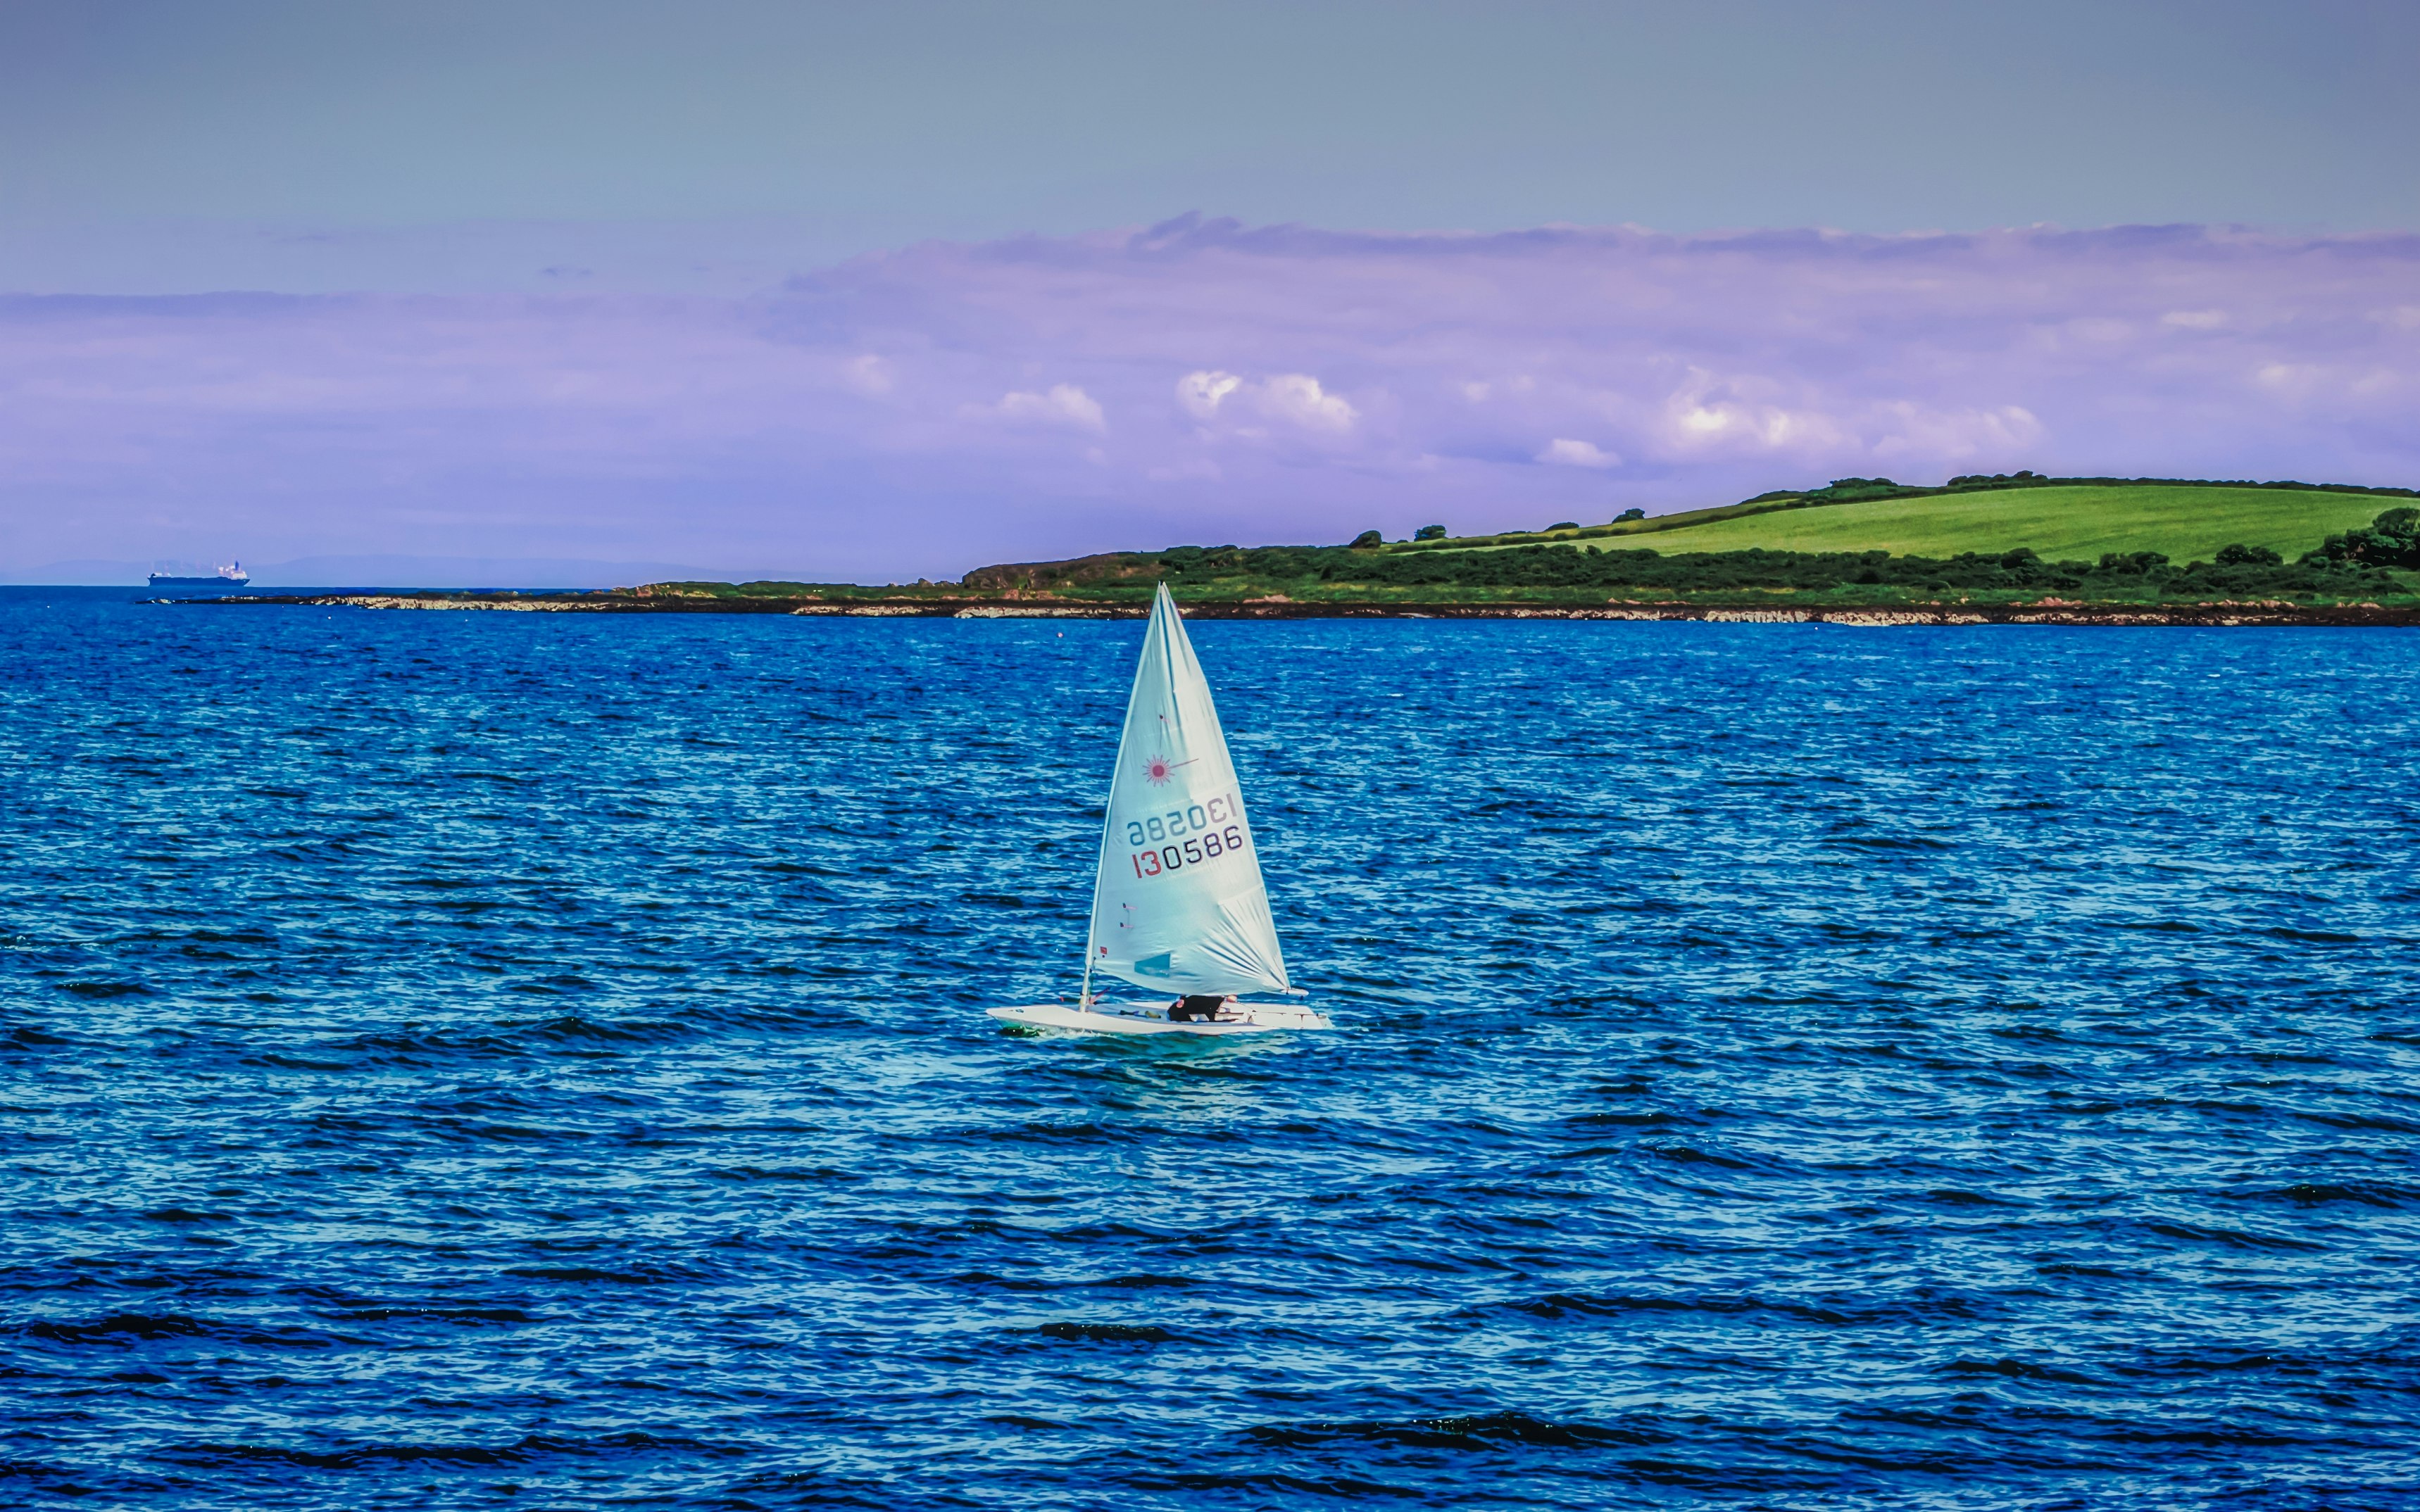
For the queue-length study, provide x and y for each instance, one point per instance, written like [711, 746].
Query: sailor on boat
[1198, 1007]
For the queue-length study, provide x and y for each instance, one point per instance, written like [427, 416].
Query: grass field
[2186, 523]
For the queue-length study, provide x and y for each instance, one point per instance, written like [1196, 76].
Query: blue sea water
[469, 1061]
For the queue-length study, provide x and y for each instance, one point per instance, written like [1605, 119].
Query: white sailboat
[1178, 906]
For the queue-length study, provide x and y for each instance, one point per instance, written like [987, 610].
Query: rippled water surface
[483, 1059]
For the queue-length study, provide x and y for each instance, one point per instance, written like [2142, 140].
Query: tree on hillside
[2392, 540]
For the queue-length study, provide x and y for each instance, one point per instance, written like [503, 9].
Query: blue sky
[355, 144]
[511, 215]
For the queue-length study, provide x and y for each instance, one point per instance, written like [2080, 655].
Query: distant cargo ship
[230, 576]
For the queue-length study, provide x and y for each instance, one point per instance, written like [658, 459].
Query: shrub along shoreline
[2364, 575]
[2357, 565]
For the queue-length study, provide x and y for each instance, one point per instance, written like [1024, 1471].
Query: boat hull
[1150, 1018]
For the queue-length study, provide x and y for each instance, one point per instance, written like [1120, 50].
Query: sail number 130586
[1185, 837]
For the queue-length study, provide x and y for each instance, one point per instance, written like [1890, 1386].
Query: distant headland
[2003, 548]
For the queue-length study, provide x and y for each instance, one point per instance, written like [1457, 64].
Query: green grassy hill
[2000, 540]
[2187, 523]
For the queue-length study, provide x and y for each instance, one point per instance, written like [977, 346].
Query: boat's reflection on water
[1220, 1080]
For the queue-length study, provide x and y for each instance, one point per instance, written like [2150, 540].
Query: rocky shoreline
[2046, 612]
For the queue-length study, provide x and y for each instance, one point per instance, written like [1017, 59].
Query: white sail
[1178, 905]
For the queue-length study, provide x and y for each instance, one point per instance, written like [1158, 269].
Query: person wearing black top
[1197, 1007]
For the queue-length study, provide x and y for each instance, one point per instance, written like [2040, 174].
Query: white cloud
[1065, 405]
[1571, 453]
[1201, 393]
[2194, 319]
[1295, 399]
[1298, 397]
[1708, 415]
[1758, 426]
[1477, 393]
